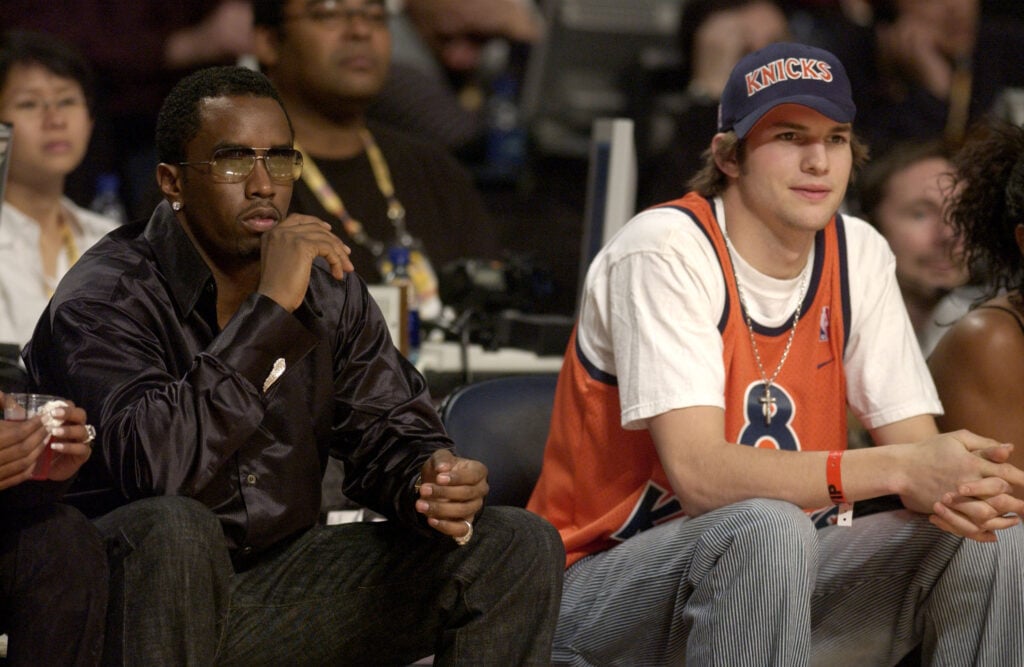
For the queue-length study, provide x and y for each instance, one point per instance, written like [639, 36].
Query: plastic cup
[19, 407]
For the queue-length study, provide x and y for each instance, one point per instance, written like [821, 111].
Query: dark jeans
[53, 587]
[355, 594]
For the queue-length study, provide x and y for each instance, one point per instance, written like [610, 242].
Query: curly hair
[180, 117]
[988, 203]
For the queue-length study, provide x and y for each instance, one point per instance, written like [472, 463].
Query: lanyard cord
[331, 201]
[959, 101]
[420, 270]
[67, 237]
[67, 240]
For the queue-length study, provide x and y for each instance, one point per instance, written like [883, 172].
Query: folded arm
[707, 472]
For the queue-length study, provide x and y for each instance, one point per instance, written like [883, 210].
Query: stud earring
[176, 205]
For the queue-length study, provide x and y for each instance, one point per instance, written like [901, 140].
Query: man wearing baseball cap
[696, 466]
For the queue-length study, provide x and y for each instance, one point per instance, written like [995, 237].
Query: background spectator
[905, 195]
[929, 68]
[46, 94]
[440, 76]
[329, 68]
[138, 50]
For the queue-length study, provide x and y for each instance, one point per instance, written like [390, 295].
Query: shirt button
[250, 479]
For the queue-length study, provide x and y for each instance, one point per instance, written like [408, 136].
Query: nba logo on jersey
[823, 325]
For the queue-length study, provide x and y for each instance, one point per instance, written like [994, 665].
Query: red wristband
[834, 477]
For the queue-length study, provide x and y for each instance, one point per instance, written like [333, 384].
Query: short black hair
[26, 47]
[179, 119]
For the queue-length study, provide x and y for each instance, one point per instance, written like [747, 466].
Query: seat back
[503, 422]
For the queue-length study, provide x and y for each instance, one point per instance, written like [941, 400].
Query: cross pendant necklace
[767, 401]
[767, 404]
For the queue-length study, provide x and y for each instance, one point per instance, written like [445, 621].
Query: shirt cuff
[262, 341]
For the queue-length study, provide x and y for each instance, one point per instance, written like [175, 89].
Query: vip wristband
[834, 480]
[834, 476]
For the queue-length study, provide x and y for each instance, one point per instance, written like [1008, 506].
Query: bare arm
[978, 366]
[913, 49]
[225, 33]
[512, 19]
[707, 472]
[906, 430]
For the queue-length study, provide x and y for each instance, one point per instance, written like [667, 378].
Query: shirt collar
[182, 266]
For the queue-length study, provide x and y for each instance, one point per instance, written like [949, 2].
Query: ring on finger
[464, 540]
[90, 431]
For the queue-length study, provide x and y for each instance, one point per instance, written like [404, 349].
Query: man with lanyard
[750, 312]
[329, 59]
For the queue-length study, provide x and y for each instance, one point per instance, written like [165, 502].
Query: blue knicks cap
[785, 73]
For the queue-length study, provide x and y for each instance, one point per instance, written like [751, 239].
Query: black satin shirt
[179, 406]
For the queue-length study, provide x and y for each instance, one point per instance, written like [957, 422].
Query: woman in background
[905, 195]
[978, 365]
[46, 95]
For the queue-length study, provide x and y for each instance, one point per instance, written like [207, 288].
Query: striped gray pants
[755, 584]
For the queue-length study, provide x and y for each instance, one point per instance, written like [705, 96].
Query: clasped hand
[982, 492]
[452, 491]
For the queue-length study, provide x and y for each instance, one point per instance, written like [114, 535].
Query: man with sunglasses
[330, 60]
[227, 351]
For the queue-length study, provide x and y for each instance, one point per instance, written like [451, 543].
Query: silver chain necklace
[767, 400]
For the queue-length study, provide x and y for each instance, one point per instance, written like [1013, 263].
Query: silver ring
[90, 430]
[464, 540]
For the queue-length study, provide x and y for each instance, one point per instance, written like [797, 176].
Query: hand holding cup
[67, 443]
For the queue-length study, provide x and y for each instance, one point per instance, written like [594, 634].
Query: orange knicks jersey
[602, 484]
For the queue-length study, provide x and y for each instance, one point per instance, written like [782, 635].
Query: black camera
[497, 303]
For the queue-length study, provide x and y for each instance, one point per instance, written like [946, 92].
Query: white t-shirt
[947, 311]
[654, 295]
[24, 289]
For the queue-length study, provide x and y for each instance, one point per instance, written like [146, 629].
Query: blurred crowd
[459, 70]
